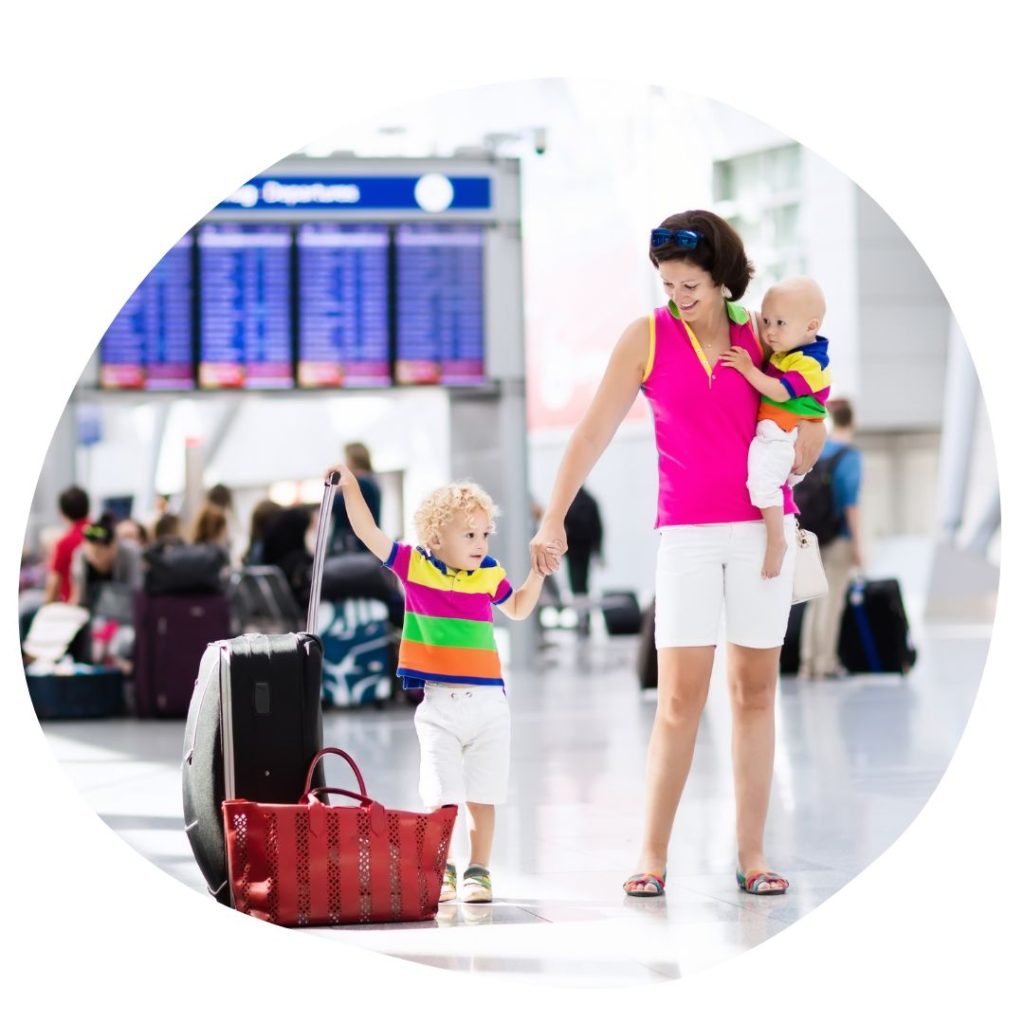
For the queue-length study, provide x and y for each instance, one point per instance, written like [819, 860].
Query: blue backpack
[815, 498]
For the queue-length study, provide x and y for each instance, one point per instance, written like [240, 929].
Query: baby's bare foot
[773, 556]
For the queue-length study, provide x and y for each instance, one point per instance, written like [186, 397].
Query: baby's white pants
[770, 464]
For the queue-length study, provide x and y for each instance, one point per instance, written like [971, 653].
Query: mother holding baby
[712, 551]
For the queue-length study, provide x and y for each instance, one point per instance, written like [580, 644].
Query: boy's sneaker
[476, 885]
[448, 890]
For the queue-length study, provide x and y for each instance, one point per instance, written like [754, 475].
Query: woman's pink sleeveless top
[704, 420]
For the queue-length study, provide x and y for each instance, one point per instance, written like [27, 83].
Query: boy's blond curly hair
[440, 506]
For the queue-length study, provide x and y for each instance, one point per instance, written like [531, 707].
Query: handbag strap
[312, 795]
[316, 760]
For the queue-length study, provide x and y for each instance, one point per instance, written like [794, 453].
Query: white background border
[124, 123]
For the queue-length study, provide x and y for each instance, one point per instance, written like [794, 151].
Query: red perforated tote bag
[312, 863]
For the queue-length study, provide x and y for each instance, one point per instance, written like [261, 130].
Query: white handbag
[809, 580]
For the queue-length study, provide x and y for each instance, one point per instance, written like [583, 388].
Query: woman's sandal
[476, 885]
[448, 889]
[645, 878]
[762, 883]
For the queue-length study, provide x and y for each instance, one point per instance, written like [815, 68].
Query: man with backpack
[829, 502]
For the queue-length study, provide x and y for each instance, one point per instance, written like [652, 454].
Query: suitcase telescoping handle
[322, 531]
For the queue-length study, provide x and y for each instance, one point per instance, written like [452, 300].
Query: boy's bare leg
[775, 549]
[481, 832]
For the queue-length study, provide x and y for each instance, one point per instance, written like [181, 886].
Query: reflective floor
[856, 761]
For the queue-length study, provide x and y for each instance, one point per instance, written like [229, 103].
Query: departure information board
[440, 337]
[313, 304]
[344, 337]
[245, 328]
[149, 344]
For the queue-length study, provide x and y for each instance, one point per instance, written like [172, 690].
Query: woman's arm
[615, 394]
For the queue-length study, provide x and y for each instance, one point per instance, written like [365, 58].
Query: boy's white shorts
[465, 743]
[703, 569]
[770, 464]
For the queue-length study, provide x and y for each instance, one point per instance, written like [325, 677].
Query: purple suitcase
[171, 635]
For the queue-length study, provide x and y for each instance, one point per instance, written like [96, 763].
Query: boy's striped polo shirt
[805, 375]
[448, 635]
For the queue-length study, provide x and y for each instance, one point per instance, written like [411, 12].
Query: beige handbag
[809, 579]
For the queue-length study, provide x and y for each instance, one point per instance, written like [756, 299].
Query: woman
[712, 538]
[211, 527]
[284, 545]
[262, 516]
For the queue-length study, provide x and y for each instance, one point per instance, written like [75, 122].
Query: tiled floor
[855, 763]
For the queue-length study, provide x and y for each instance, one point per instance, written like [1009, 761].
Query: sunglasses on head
[683, 239]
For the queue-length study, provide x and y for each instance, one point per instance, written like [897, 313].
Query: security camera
[540, 141]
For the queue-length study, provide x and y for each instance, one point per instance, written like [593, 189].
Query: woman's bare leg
[753, 678]
[684, 674]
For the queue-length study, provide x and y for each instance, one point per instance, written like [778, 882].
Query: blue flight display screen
[149, 344]
[343, 305]
[440, 304]
[245, 329]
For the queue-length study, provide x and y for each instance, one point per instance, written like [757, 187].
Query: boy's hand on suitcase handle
[345, 476]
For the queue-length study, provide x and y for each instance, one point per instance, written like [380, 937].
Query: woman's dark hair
[168, 525]
[719, 252]
[285, 535]
[101, 531]
[262, 515]
[210, 524]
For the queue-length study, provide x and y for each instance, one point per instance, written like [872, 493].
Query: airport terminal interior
[407, 292]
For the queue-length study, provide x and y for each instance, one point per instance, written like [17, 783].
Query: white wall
[904, 327]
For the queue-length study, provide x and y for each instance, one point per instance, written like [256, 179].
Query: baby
[451, 585]
[794, 386]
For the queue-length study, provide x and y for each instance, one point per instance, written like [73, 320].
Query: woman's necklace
[714, 348]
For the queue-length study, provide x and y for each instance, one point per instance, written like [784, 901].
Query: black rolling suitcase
[254, 724]
[621, 610]
[874, 635]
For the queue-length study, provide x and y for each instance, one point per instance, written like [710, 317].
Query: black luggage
[622, 615]
[262, 601]
[647, 655]
[172, 632]
[874, 635]
[254, 724]
[77, 691]
[176, 568]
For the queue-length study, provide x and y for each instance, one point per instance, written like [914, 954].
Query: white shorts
[703, 569]
[770, 464]
[465, 741]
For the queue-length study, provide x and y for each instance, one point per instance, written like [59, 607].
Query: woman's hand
[739, 359]
[810, 439]
[547, 547]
